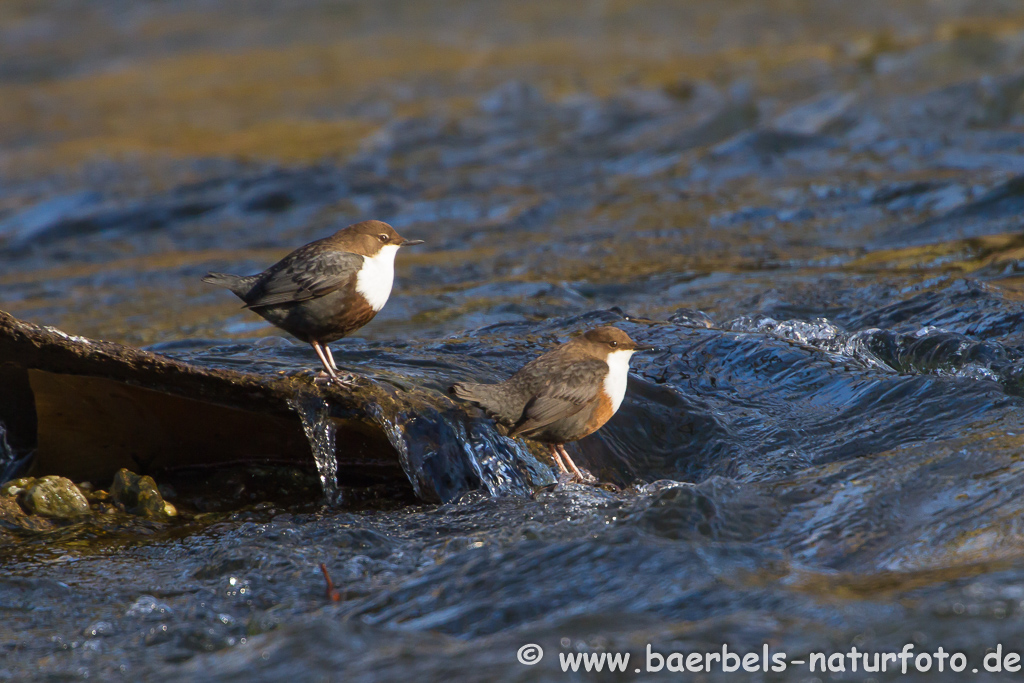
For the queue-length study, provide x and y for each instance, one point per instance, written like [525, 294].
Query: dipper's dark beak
[411, 243]
[645, 347]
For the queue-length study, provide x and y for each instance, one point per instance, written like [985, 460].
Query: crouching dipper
[327, 289]
[564, 395]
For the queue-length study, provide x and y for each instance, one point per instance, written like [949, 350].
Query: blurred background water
[812, 207]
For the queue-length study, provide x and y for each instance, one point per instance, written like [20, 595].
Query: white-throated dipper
[562, 396]
[327, 289]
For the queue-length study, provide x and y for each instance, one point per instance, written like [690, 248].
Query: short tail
[239, 284]
[480, 394]
[467, 392]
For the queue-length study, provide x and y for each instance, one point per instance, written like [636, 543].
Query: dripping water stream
[320, 434]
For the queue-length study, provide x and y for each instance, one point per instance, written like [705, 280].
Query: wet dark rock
[140, 496]
[53, 496]
[95, 496]
[57, 365]
[14, 519]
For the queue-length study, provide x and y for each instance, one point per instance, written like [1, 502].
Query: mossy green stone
[139, 495]
[54, 497]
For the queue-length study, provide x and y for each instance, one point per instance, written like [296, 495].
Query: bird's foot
[346, 381]
[577, 473]
[583, 477]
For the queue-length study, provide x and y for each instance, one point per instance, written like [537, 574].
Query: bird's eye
[382, 237]
[613, 344]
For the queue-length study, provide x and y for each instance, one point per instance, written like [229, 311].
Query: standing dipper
[327, 289]
[562, 396]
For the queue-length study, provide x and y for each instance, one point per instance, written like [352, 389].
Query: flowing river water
[813, 209]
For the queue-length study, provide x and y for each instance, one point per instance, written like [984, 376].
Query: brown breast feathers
[601, 414]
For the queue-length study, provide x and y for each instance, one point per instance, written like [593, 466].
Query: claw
[330, 371]
[567, 469]
[345, 381]
[579, 475]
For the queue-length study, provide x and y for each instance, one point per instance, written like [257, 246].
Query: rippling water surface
[812, 209]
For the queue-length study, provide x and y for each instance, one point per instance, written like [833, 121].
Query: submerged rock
[140, 496]
[54, 496]
[13, 518]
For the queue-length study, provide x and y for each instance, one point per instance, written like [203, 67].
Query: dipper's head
[370, 238]
[606, 343]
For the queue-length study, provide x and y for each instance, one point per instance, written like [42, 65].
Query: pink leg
[324, 353]
[575, 470]
[330, 357]
[558, 458]
[323, 359]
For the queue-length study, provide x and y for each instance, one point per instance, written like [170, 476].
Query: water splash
[445, 455]
[320, 432]
[929, 350]
[504, 465]
[819, 333]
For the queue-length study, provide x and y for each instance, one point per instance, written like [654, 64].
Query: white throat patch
[376, 277]
[615, 380]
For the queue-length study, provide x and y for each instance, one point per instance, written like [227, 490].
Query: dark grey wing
[302, 275]
[563, 395]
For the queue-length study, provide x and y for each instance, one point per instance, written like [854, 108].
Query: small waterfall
[444, 455]
[504, 465]
[320, 433]
[395, 436]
